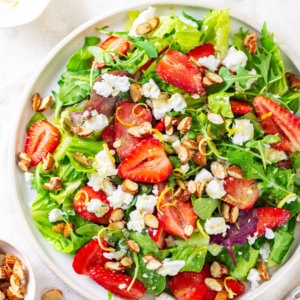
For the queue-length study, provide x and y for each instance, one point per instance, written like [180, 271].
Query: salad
[169, 164]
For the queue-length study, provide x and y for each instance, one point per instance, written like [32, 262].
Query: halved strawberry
[42, 138]
[147, 162]
[174, 216]
[190, 285]
[128, 114]
[240, 192]
[271, 217]
[240, 107]
[176, 69]
[118, 283]
[277, 120]
[114, 44]
[84, 195]
[202, 51]
[88, 256]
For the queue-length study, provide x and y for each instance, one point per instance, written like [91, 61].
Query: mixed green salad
[170, 164]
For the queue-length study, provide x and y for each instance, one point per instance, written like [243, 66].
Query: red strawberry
[129, 114]
[202, 51]
[158, 235]
[176, 69]
[42, 138]
[85, 195]
[190, 285]
[89, 256]
[277, 120]
[108, 135]
[240, 107]
[118, 283]
[175, 217]
[147, 162]
[114, 44]
[271, 217]
[235, 286]
[240, 192]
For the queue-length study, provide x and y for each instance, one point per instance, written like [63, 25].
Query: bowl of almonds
[16, 275]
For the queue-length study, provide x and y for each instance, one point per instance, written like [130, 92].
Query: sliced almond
[55, 184]
[151, 221]
[81, 131]
[135, 91]
[52, 294]
[36, 101]
[133, 246]
[45, 103]
[185, 125]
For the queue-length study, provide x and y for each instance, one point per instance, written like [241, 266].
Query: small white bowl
[30, 280]
[18, 12]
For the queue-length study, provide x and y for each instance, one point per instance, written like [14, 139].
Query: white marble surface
[23, 48]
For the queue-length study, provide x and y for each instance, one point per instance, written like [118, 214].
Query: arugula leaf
[241, 77]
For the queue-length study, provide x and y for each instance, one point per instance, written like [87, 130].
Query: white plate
[44, 81]
[19, 12]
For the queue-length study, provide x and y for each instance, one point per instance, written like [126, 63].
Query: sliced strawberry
[202, 51]
[88, 256]
[277, 120]
[174, 216]
[147, 162]
[240, 107]
[271, 217]
[114, 44]
[158, 235]
[240, 192]
[190, 285]
[129, 114]
[83, 197]
[235, 287]
[108, 135]
[118, 283]
[176, 69]
[42, 138]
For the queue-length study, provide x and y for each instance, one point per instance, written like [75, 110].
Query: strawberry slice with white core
[277, 120]
[147, 162]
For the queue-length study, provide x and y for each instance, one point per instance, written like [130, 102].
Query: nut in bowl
[16, 274]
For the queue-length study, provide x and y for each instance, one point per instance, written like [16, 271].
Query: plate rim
[27, 93]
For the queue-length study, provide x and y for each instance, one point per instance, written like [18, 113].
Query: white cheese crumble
[97, 207]
[215, 189]
[55, 215]
[234, 59]
[161, 106]
[203, 176]
[254, 278]
[269, 234]
[119, 199]
[136, 221]
[146, 203]
[96, 122]
[244, 131]
[111, 85]
[170, 268]
[251, 239]
[117, 255]
[210, 62]
[216, 225]
[150, 89]
[264, 251]
[143, 17]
